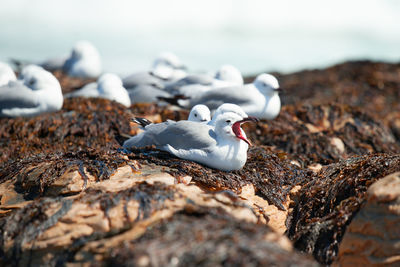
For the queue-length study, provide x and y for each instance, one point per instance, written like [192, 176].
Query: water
[253, 35]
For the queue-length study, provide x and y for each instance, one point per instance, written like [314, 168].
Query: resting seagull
[199, 113]
[36, 92]
[194, 85]
[166, 67]
[84, 61]
[108, 86]
[6, 74]
[222, 146]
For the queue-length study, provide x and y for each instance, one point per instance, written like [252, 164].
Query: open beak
[238, 131]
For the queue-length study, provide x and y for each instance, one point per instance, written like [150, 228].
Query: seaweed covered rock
[324, 133]
[272, 175]
[327, 204]
[68, 83]
[373, 236]
[84, 225]
[207, 237]
[70, 195]
[82, 123]
[373, 86]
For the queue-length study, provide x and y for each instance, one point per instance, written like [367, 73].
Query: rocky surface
[373, 237]
[70, 195]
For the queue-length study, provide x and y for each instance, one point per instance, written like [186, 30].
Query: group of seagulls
[218, 142]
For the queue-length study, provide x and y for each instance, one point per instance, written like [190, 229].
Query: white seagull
[168, 66]
[194, 85]
[147, 94]
[200, 113]
[36, 92]
[6, 74]
[222, 146]
[259, 99]
[108, 86]
[84, 61]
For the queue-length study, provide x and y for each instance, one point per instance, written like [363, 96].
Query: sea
[253, 35]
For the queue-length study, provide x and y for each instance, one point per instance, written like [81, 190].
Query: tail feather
[141, 121]
[174, 100]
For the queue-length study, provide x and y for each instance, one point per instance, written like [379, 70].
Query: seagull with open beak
[221, 146]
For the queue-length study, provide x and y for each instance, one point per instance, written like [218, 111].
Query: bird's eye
[195, 115]
[228, 121]
[32, 82]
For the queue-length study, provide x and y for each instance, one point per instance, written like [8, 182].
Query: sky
[253, 35]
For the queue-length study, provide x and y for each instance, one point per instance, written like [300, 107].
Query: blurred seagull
[200, 113]
[84, 61]
[6, 74]
[260, 98]
[108, 86]
[166, 67]
[37, 91]
[194, 85]
[147, 94]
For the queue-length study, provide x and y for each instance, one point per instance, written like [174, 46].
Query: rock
[373, 236]
[328, 202]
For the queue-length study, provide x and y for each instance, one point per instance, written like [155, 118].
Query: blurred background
[253, 35]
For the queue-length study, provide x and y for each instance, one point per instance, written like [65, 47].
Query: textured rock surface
[373, 237]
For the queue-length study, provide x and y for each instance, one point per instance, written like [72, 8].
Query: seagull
[108, 86]
[225, 108]
[200, 113]
[259, 99]
[194, 85]
[6, 74]
[222, 146]
[166, 67]
[84, 61]
[147, 94]
[143, 78]
[37, 91]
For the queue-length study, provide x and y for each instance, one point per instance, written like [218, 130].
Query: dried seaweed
[327, 204]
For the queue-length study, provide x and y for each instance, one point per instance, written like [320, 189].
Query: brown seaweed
[204, 237]
[327, 204]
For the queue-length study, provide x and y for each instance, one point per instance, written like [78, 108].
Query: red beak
[238, 131]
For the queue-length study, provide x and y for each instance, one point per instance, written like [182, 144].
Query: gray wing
[89, 90]
[16, 95]
[142, 78]
[187, 135]
[146, 94]
[180, 135]
[201, 79]
[214, 98]
[148, 137]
